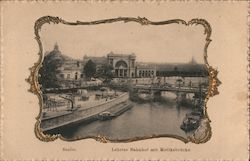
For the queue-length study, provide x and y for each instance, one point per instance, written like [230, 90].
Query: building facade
[123, 65]
[145, 70]
[71, 70]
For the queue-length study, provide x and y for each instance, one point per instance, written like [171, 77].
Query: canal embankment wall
[81, 114]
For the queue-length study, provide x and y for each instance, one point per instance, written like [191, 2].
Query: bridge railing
[170, 88]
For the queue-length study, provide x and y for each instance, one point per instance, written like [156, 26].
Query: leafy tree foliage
[50, 70]
[90, 69]
[107, 72]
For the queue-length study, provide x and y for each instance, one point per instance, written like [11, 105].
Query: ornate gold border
[35, 86]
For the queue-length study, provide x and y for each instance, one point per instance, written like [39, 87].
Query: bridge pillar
[181, 96]
[157, 95]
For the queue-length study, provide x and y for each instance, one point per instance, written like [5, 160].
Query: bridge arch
[121, 64]
[121, 68]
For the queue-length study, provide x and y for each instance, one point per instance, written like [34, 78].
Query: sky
[174, 43]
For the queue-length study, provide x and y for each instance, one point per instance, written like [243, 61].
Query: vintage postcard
[116, 80]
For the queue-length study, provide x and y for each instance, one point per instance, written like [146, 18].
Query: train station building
[123, 65]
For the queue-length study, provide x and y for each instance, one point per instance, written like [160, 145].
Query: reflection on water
[144, 119]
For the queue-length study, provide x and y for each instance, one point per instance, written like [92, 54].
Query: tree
[107, 72]
[89, 69]
[50, 70]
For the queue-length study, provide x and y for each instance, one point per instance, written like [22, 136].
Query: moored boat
[115, 111]
[105, 115]
[191, 121]
[190, 124]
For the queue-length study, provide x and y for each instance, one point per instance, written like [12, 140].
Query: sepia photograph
[123, 80]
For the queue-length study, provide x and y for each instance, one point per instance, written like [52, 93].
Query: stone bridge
[156, 91]
[159, 88]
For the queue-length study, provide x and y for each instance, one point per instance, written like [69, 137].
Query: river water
[144, 119]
